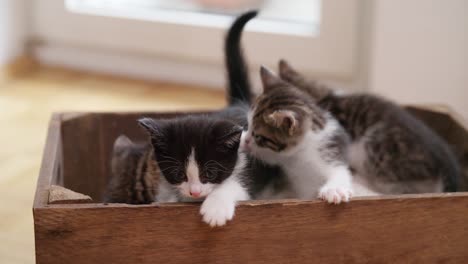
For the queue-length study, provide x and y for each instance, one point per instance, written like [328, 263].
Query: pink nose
[195, 194]
[247, 141]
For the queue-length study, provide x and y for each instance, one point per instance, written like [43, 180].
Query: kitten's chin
[198, 198]
[243, 146]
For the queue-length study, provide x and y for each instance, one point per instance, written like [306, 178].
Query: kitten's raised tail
[239, 89]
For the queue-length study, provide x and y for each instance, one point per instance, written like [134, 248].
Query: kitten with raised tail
[199, 156]
[288, 129]
[391, 151]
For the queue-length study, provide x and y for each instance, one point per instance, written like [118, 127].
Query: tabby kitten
[286, 128]
[392, 152]
[135, 174]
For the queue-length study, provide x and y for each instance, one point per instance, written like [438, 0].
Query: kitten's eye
[264, 140]
[179, 177]
[259, 138]
[210, 176]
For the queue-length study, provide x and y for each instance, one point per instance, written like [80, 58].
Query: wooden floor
[25, 107]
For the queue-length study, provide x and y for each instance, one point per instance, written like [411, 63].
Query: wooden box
[392, 229]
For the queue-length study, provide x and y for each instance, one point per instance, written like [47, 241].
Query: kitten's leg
[219, 205]
[338, 187]
[335, 169]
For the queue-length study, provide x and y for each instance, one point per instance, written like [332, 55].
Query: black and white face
[195, 154]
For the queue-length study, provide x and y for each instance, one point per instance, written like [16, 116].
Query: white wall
[419, 51]
[414, 51]
[13, 29]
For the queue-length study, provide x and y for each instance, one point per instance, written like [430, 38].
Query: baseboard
[151, 68]
[20, 66]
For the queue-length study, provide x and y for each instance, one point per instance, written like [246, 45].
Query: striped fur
[392, 152]
[135, 174]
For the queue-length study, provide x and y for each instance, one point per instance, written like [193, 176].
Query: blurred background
[161, 55]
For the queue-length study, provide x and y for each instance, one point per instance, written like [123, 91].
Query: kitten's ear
[283, 119]
[287, 72]
[269, 79]
[154, 129]
[122, 142]
[230, 139]
[150, 125]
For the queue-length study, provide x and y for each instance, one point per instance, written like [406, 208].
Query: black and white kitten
[199, 160]
[391, 151]
[199, 156]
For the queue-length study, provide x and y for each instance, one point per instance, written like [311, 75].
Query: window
[154, 38]
[293, 17]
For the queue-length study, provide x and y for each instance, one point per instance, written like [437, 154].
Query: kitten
[199, 159]
[286, 128]
[135, 174]
[199, 154]
[392, 152]
[131, 160]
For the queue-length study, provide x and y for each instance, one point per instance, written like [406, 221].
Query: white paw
[335, 194]
[217, 210]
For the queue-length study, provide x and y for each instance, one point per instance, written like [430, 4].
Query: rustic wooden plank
[406, 229]
[80, 148]
[61, 195]
[450, 126]
[444, 122]
[50, 162]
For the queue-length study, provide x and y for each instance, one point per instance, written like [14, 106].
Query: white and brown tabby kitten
[286, 128]
[392, 152]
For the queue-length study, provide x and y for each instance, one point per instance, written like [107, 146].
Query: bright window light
[294, 17]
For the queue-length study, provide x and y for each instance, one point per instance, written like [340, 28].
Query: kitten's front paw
[217, 210]
[335, 194]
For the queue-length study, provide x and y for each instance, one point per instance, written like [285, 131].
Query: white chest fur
[305, 178]
[306, 168]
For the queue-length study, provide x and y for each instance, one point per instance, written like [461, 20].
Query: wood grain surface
[452, 128]
[409, 229]
[50, 161]
[61, 195]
